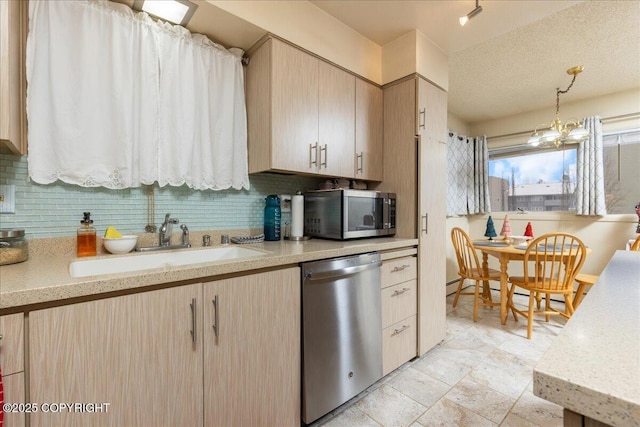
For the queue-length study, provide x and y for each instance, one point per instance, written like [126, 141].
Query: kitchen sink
[123, 264]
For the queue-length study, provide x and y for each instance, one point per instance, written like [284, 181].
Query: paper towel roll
[297, 216]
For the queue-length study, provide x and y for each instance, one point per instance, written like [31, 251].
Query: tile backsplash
[55, 210]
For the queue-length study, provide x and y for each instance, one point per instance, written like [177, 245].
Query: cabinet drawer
[399, 344]
[398, 270]
[398, 302]
[12, 343]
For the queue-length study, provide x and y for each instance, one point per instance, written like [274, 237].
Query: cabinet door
[432, 210]
[13, 386]
[294, 127]
[252, 350]
[13, 24]
[135, 352]
[368, 163]
[12, 343]
[336, 125]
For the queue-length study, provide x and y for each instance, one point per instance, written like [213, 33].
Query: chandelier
[558, 133]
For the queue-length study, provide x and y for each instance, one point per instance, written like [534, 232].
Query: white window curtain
[467, 175]
[590, 193]
[114, 101]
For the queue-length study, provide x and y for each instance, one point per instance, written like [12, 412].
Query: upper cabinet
[13, 30]
[368, 131]
[310, 117]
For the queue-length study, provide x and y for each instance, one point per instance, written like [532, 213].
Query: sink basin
[112, 265]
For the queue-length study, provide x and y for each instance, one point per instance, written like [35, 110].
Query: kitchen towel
[297, 215]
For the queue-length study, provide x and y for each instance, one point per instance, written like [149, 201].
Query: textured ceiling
[510, 58]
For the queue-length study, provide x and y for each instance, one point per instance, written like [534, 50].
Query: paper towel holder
[289, 236]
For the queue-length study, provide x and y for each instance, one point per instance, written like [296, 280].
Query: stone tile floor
[480, 375]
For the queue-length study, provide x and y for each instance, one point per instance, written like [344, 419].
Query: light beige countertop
[45, 278]
[593, 366]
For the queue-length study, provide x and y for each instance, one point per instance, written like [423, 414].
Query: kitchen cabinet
[399, 307]
[415, 169]
[12, 363]
[368, 131]
[156, 359]
[301, 113]
[252, 350]
[13, 35]
[136, 353]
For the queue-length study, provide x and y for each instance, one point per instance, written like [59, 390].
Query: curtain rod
[529, 132]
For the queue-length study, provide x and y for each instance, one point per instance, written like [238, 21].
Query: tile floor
[480, 375]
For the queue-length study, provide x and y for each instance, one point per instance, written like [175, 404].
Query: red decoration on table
[529, 230]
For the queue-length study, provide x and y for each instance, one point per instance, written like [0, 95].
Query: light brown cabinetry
[136, 353]
[13, 31]
[252, 350]
[415, 168]
[310, 117]
[368, 131]
[398, 304]
[12, 363]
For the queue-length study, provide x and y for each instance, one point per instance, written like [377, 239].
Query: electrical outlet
[8, 198]
[285, 203]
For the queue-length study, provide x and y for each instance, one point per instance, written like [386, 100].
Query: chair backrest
[636, 245]
[465, 252]
[556, 259]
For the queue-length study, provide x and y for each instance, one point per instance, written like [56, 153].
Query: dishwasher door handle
[342, 272]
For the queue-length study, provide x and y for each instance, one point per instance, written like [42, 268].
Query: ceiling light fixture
[176, 11]
[474, 12]
[558, 133]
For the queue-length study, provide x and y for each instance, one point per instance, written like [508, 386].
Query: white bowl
[120, 245]
[518, 240]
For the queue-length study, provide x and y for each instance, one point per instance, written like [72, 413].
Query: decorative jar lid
[11, 232]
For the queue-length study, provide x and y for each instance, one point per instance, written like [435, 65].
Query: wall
[56, 210]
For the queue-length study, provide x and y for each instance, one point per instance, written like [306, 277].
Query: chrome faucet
[164, 236]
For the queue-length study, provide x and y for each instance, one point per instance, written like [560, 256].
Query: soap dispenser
[86, 236]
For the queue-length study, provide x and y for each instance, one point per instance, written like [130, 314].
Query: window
[622, 171]
[535, 181]
[532, 181]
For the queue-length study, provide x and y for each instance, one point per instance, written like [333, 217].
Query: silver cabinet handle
[426, 223]
[325, 156]
[400, 268]
[313, 159]
[400, 292]
[423, 113]
[216, 325]
[360, 162]
[399, 331]
[193, 319]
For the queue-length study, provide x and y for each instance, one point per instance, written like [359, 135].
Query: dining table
[504, 252]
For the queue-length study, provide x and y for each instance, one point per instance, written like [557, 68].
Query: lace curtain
[590, 193]
[467, 175]
[117, 100]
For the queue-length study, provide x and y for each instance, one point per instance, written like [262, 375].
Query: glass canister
[13, 246]
[272, 214]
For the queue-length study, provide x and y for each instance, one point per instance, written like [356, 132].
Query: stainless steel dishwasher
[341, 331]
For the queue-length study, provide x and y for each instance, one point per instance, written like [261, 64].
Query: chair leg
[475, 301]
[455, 299]
[530, 319]
[547, 304]
[486, 291]
[510, 302]
[569, 305]
[538, 299]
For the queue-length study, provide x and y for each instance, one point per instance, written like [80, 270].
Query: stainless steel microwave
[349, 214]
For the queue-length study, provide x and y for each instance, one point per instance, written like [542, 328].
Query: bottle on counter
[272, 214]
[86, 236]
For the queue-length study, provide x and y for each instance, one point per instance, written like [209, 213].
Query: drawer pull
[400, 292]
[399, 331]
[400, 268]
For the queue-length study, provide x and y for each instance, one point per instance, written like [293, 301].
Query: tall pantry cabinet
[415, 156]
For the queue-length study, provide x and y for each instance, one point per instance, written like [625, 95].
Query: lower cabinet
[154, 358]
[399, 308]
[12, 363]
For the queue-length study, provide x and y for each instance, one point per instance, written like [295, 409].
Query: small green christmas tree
[490, 231]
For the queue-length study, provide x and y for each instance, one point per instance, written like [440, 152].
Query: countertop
[45, 278]
[593, 367]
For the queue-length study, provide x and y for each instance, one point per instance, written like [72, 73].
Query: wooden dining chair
[470, 268]
[636, 245]
[583, 280]
[551, 263]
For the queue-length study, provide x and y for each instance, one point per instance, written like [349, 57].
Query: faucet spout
[164, 235]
